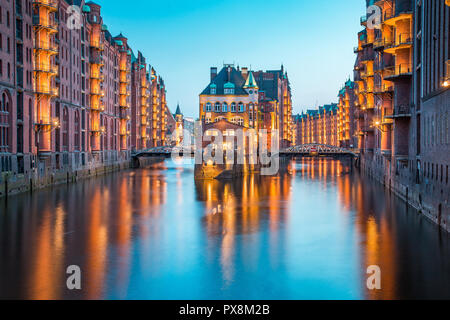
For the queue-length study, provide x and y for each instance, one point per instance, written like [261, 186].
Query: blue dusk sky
[313, 39]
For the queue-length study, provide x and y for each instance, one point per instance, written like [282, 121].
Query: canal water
[310, 232]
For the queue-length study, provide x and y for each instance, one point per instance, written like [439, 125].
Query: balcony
[366, 74]
[392, 17]
[97, 60]
[45, 67]
[46, 90]
[97, 92]
[399, 71]
[124, 114]
[43, 22]
[97, 45]
[383, 88]
[367, 57]
[98, 106]
[97, 76]
[46, 46]
[401, 111]
[402, 41]
[52, 5]
[381, 43]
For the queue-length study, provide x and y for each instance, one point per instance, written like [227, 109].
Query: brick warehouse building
[318, 126]
[397, 110]
[404, 124]
[69, 96]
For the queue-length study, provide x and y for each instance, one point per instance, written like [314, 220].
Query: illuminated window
[238, 121]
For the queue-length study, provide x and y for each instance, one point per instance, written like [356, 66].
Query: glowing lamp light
[55, 122]
[377, 123]
[446, 84]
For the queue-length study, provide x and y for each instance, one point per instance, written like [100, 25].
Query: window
[8, 22]
[213, 90]
[77, 131]
[241, 107]
[208, 107]
[225, 107]
[65, 129]
[217, 107]
[238, 121]
[4, 123]
[233, 107]
[208, 120]
[229, 91]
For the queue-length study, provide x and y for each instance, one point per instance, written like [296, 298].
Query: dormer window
[213, 89]
[228, 88]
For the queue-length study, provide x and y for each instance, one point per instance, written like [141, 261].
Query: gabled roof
[225, 77]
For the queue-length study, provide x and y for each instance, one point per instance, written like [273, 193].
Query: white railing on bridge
[316, 148]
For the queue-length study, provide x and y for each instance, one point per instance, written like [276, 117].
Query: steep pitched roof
[178, 112]
[225, 77]
[251, 82]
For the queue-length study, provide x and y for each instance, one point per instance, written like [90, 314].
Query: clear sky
[314, 39]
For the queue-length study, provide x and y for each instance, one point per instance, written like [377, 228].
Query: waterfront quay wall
[428, 196]
[52, 170]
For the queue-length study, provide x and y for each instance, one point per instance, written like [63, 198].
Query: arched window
[241, 107]
[233, 107]
[217, 107]
[65, 129]
[77, 131]
[208, 107]
[5, 123]
[225, 107]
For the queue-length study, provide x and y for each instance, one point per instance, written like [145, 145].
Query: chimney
[244, 72]
[213, 73]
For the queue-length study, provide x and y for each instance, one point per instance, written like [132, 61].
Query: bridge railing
[316, 148]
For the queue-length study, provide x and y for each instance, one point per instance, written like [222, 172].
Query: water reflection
[310, 232]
